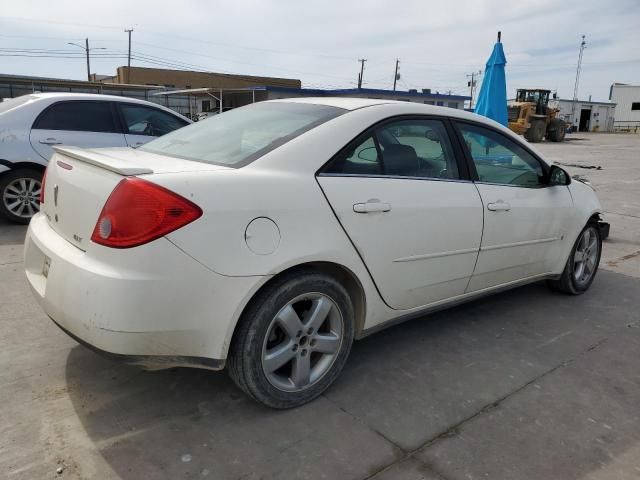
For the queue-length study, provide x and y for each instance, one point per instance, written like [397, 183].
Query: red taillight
[138, 212]
[44, 178]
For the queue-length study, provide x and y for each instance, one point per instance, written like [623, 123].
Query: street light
[87, 50]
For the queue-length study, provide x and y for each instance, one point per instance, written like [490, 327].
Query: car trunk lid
[79, 182]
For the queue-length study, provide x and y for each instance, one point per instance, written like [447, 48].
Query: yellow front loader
[530, 115]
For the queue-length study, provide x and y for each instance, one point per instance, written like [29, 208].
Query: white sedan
[31, 125]
[268, 238]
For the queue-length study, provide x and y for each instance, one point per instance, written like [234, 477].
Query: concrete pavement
[526, 384]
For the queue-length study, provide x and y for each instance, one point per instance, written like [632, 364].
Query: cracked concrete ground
[526, 384]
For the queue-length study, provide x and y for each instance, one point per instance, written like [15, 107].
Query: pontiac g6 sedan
[266, 239]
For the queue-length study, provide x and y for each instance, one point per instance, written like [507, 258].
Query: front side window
[240, 136]
[406, 148]
[79, 116]
[499, 159]
[141, 120]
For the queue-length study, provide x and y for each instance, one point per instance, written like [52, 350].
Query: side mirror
[370, 154]
[558, 176]
[433, 136]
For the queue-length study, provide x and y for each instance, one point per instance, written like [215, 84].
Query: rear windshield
[10, 103]
[240, 136]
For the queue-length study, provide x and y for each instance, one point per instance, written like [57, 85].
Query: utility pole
[361, 60]
[129, 30]
[87, 50]
[396, 76]
[583, 44]
[472, 85]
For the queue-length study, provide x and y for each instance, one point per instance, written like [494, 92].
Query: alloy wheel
[585, 257]
[21, 197]
[302, 342]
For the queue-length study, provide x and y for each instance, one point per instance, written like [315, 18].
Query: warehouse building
[187, 79]
[425, 96]
[198, 94]
[143, 81]
[17, 85]
[585, 115]
[205, 101]
[627, 98]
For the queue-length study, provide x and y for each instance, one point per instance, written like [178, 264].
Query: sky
[437, 42]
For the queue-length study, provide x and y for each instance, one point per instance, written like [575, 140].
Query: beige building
[186, 79]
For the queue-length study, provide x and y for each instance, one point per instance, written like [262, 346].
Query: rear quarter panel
[308, 229]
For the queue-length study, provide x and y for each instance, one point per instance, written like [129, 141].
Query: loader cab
[539, 97]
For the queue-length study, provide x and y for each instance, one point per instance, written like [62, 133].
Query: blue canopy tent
[492, 99]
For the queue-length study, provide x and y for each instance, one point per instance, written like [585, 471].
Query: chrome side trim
[427, 256]
[394, 177]
[519, 244]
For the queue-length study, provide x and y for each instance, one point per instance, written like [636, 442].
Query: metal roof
[364, 91]
[585, 101]
[316, 92]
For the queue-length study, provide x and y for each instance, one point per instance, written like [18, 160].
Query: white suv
[30, 125]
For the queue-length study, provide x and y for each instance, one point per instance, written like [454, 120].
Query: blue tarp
[492, 99]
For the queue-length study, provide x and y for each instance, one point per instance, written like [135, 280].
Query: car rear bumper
[150, 362]
[152, 305]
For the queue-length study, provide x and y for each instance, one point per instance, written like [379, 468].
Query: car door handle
[499, 206]
[50, 141]
[370, 207]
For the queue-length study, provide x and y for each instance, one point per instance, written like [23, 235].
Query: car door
[81, 123]
[525, 219]
[401, 196]
[143, 123]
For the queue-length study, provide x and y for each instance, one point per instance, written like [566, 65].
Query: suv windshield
[240, 136]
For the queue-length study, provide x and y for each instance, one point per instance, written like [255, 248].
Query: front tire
[582, 265]
[293, 339]
[536, 132]
[20, 194]
[556, 130]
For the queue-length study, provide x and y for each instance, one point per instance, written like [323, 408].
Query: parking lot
[526, 384]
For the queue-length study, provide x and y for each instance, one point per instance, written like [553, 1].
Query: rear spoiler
[103, 160]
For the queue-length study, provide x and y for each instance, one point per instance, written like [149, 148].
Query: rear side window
[242, 135]
[79, 116]
[141, 120]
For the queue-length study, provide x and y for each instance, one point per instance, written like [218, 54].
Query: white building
[586, 116]
[627, 97]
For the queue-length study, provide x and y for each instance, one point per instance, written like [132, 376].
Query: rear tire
[292, 340]
[20, 194]
[582, 265]
[556, 131]
[536, 132]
